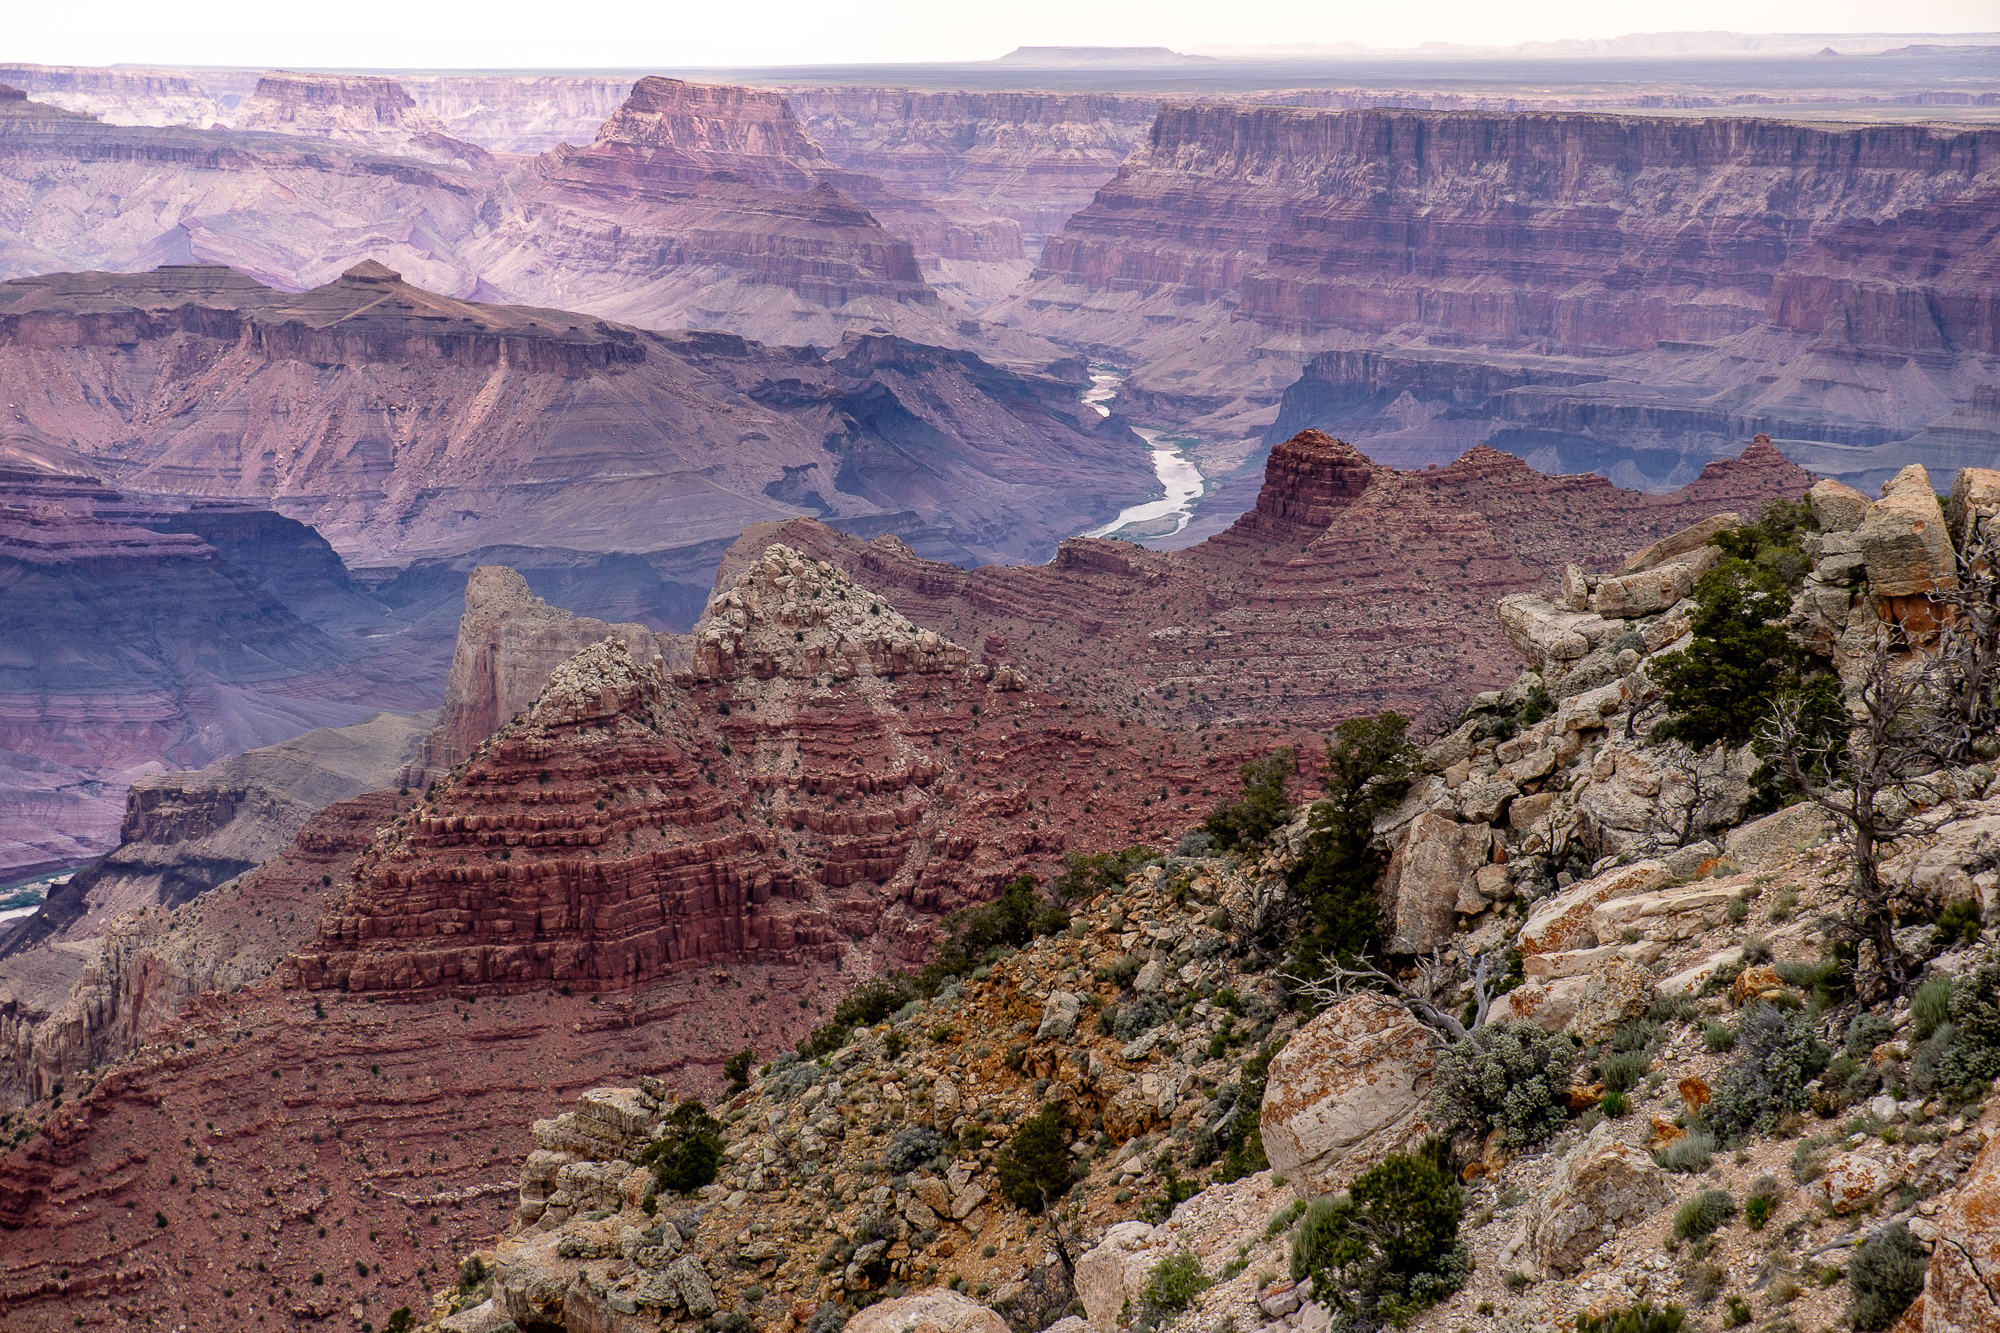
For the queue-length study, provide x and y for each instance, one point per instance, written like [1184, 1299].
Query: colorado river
[1179, 477]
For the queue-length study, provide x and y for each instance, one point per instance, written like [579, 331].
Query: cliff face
[362, 109]
[509, 641]
[518, 115]
[1034, 157]
[693, 206]
[1341, 566]
[346, 406]
[1701, 279]
[121, 95]
[824, 771]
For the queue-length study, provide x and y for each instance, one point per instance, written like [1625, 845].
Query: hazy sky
[625, 33]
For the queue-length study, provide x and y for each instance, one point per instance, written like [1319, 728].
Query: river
[1178, 475]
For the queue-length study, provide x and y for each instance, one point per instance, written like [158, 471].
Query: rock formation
[589, 435]
[509, 641]
[1374, 234]
[824, 767]
[1293, 609]
[773, 249]
[137, 637]
[367, 110]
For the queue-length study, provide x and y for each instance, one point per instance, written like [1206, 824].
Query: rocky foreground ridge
[859, 1185]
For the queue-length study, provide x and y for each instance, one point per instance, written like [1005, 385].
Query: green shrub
[1240, 1139]
[1957, 924]
[1738, 1311]
[1368, 767]
[1034, 1168]
[1010, 921]
[1262, 807]
[1724, 686]
[1643, 1317]
[1931, 1005]
[1777, 1054]
[1389, 1247]
[1720, 1038]
[1761, 1201]
[1622, 1071]
[912, 1148]
[688, 1152]
[1974, 1056]
[1173, 1284]
[1703, 1214]
[737, 1069]
[1689, 1154]
[1885, 1275]
[1865, 1033]
[1085, 876]
[1505, 1076]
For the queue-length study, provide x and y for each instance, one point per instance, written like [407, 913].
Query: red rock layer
[1350, 587]
[742, 814]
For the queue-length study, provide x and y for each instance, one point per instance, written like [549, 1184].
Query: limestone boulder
[1668, 915]
[1680, 543]
[1853, 1180]
[1550, 1005]
[1904, 539]
[1603, 1186]
[1962, 1285]
[1429, 872]
[933, 1310]
[1764, 842]
[1613, 995]
[1349, 1089]
[1112, 1272]
[1549, 638]
[1563, 923]
[1837, 506]
[1974, 504]
[1646, 591]
[1059, 1014]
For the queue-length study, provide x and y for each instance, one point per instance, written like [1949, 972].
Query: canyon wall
[1034, 157]
[1635, 292]
[692, 206]
[350, 405]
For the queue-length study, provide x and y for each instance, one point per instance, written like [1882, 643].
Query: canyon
[1618, 294]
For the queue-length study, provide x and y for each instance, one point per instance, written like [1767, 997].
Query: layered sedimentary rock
[1622, 293]
[824, 770]
[509, 641]
[1035, 157]
[122, 95]
[694, 206]
[363, 109]
[527, 114]
[134, 635]
[403, 424]
[1349, 588]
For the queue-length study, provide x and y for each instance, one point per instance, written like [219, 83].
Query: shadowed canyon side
[1343, 566]
[707, 858]
[1622, 294]
[139, 633]
[529, 427]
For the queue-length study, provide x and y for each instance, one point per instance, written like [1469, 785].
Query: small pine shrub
[1173, 1284]
[1885, 1275]
[1866, 1032]
[737, 1069]
[688, 1152]
[1034, 1168]
[1506, 1076]
[1644, 1317]
[1262, 807]
[1974, 1057]
[1703, 1214]
[1389, 1247]
[1957, 924]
